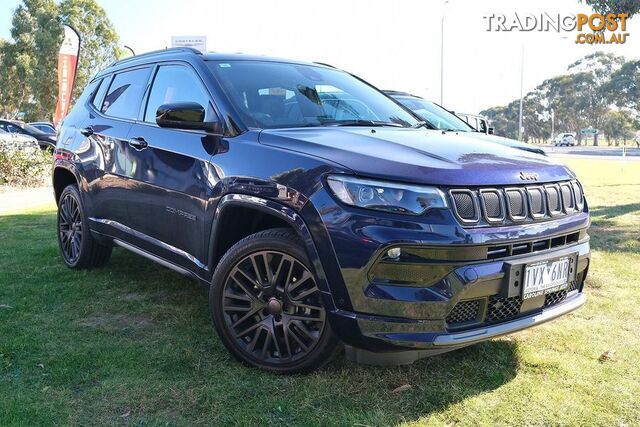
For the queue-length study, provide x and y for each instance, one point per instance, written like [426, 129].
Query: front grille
[501, 251]
[554, 297]
[465, 205]
[464, 311]
[503, 308]
[507, 205]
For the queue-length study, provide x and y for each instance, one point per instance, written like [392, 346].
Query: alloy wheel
[70, 228]
[272, 307]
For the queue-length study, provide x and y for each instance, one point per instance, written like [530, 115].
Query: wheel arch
[62, 177]
[269, 214]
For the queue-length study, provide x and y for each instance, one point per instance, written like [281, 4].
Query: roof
[187, 52]
[400, 93]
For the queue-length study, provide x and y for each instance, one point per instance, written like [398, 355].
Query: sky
[391, 44]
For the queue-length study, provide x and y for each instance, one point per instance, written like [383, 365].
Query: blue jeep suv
[317, 210]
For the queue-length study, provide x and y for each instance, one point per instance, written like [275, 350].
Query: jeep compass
[317, 210]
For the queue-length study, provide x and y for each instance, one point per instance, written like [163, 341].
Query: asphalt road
[600, 152]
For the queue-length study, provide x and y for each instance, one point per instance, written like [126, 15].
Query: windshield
[272, 95]
[434, 114]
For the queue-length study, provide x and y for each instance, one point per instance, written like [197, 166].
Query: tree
[37, 35]
[99, 40]
[605, 7]
[591, 73]
[619, 126]
[28, 76]
[624, 85]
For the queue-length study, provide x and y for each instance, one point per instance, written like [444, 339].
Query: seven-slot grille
[517, 204]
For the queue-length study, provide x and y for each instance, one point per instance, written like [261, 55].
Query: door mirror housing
[490, 130]
[185, 115]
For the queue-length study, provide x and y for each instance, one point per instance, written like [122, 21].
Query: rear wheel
[266, 305]
[77, 246]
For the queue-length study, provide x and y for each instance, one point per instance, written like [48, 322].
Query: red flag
[67, 65]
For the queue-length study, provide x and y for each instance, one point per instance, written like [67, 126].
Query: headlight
[386, 196]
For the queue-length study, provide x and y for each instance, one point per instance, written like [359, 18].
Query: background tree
[37, 34]
[615, 6]
[99, 40]
[619, 126]
[28, 76]
[624, 86]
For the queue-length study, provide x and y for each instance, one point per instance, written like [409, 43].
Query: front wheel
[266, 305]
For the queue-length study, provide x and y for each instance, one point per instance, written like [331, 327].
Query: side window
[482, 126]
[124, 94]
[99, 94]
[174, 83]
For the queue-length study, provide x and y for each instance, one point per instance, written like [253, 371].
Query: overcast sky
[392, 44]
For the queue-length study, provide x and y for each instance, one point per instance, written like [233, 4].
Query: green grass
[132, 343]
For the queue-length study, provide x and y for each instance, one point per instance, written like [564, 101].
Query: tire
[266, 306]
[79, 249]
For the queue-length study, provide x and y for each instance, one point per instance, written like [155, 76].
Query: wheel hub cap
[272, 307]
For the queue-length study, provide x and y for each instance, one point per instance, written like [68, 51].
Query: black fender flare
[295, 220]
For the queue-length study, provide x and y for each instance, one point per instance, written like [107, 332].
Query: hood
[504, 141]
[417, 155]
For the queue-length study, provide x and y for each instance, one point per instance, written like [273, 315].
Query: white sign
[196, 42]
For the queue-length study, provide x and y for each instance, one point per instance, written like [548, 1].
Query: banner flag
[67, 65]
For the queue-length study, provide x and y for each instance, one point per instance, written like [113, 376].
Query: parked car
[45, 140]
[45, 127]
[479, 123]
[565, 140]
[315, 218]
[18, 141]
[440, 118]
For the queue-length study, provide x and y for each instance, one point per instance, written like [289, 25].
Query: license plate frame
[547, 276]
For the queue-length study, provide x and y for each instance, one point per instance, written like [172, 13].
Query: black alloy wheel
[70, 228]
[79, 249]
[267, 308]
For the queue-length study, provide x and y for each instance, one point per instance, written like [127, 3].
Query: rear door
[114, 108]
[170, 171]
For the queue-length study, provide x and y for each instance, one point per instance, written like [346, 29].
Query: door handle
[138, 143]
[88, 131]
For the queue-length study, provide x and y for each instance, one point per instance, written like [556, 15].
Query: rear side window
[124, 94]
[99, 94]
[175, 83]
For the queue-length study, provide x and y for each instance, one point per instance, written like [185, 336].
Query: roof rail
[325, 64]
[157, 52]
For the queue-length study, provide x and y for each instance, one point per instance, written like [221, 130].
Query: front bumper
[412, 302]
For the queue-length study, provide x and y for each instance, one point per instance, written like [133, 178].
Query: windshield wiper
[360, 122]
[423, 124]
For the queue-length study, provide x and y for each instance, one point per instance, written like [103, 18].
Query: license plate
[545, 277]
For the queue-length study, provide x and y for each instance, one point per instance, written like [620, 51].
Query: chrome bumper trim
[481, 334]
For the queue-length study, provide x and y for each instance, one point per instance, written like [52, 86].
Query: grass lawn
[132, 343]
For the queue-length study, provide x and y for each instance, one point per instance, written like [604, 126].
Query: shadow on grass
[152, 346]
[610, 234]
[611, 212]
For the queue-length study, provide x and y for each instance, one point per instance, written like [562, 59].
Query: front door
[170, 171]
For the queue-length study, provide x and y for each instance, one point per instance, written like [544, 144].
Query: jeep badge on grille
[528, 176]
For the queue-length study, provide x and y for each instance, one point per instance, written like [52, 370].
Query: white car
[565, 140]
[18, 141]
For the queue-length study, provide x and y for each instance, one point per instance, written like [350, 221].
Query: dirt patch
[116, 321]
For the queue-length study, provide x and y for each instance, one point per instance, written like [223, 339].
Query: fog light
[394, 253]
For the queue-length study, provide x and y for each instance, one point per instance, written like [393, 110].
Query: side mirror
[185, 115]
[490, 130]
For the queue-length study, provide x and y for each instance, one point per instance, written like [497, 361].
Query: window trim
[147, 96]
[145, 100]
[112, 77]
